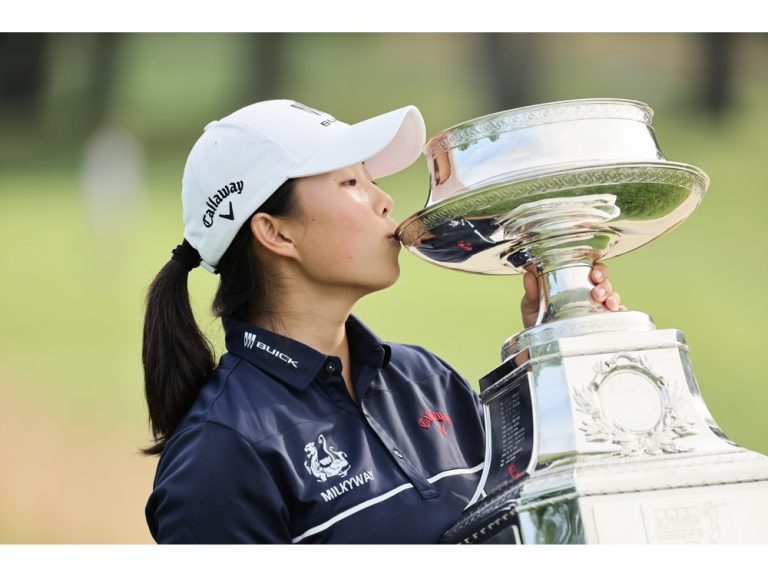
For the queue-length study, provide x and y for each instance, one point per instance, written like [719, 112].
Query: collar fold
[294, 363]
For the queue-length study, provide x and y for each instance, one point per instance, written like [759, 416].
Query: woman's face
[349, 238]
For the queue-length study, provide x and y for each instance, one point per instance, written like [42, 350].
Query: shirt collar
[294, 363]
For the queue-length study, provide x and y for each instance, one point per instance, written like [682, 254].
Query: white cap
[241, 160]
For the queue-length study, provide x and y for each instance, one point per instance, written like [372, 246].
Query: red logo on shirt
[441, 419]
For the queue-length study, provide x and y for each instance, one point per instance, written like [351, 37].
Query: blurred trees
[716, 85]
[515, 59]
[169, 84]
[25, 65]
[23, 59]
[102, 76]
[512, 65]
[266, 66]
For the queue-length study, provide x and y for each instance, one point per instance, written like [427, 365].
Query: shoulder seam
[253, 444]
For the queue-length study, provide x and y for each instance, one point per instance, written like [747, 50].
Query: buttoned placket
[414, 474]
[333, 384]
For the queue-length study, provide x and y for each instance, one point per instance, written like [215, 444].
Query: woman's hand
[602, 293]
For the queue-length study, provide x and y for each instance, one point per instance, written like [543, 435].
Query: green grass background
[72, 298]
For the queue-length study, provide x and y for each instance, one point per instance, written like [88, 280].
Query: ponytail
[178, 359]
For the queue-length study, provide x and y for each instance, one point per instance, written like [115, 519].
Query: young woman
[310, 428]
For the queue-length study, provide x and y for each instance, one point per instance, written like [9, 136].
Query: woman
[310, 429]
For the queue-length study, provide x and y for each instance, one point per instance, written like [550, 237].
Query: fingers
[599, 273]
[603, 294]
[602, 291]
[613, 302]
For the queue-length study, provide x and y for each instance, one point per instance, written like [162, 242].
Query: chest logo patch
[323, 461]
[440, 419]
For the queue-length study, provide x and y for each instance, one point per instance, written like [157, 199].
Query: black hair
[177, 357]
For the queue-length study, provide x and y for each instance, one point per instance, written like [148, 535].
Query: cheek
[336, 242]
[351, 243]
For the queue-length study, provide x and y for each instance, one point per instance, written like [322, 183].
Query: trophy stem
[566, 293]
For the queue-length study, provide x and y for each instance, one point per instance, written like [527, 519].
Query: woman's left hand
[602, 293]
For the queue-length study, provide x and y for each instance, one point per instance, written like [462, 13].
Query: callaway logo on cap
[240, 160]
[213, 202]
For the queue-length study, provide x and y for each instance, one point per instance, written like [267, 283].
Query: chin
[394, 275]
[384, 281]
[393, 279]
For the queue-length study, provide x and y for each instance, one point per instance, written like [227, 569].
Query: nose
[384, 202]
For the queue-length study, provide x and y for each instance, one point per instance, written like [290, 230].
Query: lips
[394, 238]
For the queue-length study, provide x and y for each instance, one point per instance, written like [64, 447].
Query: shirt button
[397, 453]
[330, 368]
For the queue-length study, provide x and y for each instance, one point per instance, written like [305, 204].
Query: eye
[352, 182]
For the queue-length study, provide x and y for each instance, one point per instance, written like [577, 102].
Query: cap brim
[387, 144]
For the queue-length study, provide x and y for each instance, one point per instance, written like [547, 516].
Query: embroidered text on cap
[215, 200]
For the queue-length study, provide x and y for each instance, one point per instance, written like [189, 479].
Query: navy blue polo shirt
[275, 450]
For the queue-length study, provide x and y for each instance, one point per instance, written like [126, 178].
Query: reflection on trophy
[596, 431]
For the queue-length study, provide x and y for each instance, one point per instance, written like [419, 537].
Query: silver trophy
[596, 431]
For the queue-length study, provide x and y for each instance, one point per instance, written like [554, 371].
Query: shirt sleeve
[212, 487]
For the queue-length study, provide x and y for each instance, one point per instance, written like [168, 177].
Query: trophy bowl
[549, 185]
[550, 189]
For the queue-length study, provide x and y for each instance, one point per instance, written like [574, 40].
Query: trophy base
[596, 432]
[711, 499]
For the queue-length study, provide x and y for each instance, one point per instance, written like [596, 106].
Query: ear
[274, 234]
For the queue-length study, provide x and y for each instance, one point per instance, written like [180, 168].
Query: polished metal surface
[604, 437]
[548, 187]
[631, 321]
[660, 500]
[596, 431]
[535, 138]
[568, 215]
[582, 177]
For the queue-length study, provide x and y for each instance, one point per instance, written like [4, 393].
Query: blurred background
[94, 132]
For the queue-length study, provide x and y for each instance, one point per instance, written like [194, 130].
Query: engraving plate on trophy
[510, 418]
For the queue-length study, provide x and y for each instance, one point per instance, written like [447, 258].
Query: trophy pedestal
[603, 437]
